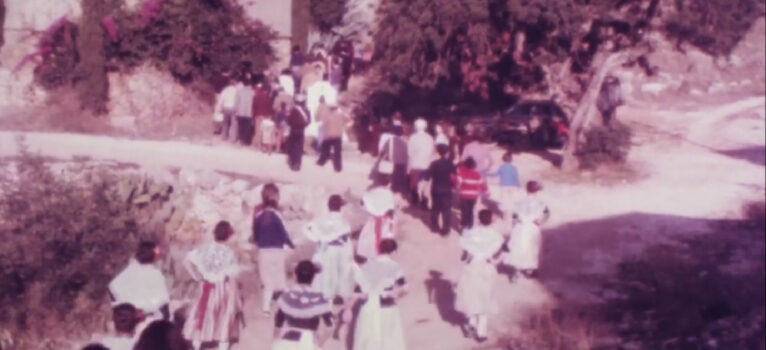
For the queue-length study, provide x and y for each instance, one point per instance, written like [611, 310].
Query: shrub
[327, 13]
[604, 145]
[64, 238]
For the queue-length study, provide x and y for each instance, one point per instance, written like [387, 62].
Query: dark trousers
[294, 149]
[227, 129]
[331, 145]
[400, 183]
[441, 206]
[245, 129]
[466, 212]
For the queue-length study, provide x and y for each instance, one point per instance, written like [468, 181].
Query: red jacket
[470, 184]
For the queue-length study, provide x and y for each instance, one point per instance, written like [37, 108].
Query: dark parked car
[539, 124]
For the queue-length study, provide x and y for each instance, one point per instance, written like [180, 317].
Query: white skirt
[379, 328]
[306, 341]
[474, 289]
[335, 277]
[525, 244]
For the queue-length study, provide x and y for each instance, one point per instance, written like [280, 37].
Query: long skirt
[271, 267]
[216, 314]
[304, 342]
[526, 240]
[335, 278]
[474, 289]
[379, 328]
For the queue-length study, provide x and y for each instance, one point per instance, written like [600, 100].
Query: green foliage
[715, 26]
[197, 41]
[90, 73]
[604, 145]
[327, 14]
[64, 239]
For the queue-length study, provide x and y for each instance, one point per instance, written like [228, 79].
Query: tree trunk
[605, 63]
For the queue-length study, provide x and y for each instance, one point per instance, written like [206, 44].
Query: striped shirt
[470, 183]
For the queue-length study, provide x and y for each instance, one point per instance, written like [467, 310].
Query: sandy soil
[686, 167]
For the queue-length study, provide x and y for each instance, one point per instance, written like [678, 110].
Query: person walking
[142, 284]
[300, 312]
[526, 237]
[244, 111]
[381, 283]
[226, 104]
[272, 239]
[395, 152]
[262, 109]
[380, 204]
[471, 185]
[482, 246]
[297, 121]
[216, 315]
[509, 182]
[441, 172]
[421, 151]
[334, 252]
[333, 127]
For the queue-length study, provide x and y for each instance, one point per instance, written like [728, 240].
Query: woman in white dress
[334, 253]
[381, 282]
[526, 237]
[482, 246]
[216, 315]
[379, 203]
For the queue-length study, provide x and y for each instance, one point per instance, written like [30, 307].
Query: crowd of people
[295, 111]
[344, 270]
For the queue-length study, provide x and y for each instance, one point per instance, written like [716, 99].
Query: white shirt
[141, 285]
[421, 150]
[229, 97]
[118, 343]
[287, 83]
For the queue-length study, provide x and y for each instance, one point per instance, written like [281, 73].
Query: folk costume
[526, 237]
[334, 255]
[216, 316]
[379, 326]
[474, 288]
[300, 312]
[378, 203]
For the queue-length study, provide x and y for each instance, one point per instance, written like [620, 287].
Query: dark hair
[95, 347]
[387, 246]
[161, 335]
[470, 163]
[222, 231]
[125, 317]
[270, 195]
[335, 203]
[443, 150]
[508, 157]
[146, 252]
[305, 272]
[485, 217]
[534, 187]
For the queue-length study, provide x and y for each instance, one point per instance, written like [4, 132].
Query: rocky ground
[687, 167]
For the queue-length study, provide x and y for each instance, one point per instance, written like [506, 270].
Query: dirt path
[596, 220]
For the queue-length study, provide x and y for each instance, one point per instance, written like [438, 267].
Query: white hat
[421, 124]
[378, 201]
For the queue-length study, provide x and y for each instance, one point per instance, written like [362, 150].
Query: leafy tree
[327, 13]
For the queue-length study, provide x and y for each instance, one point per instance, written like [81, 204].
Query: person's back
[421, 148]
[441, 172]
[141, 284]
[262, 103]
[395, 150]
[161, 335]
[334, 122]
[269, 230]
[244, 106]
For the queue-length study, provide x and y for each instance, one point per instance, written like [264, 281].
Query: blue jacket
[269, 230]
[509, 176]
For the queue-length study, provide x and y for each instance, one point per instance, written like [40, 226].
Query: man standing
[297, 122]
[333, 126]
[441, 173]
[226, 104]
[261, 109]
[244, 111]
[471, 185]
[420, 149]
